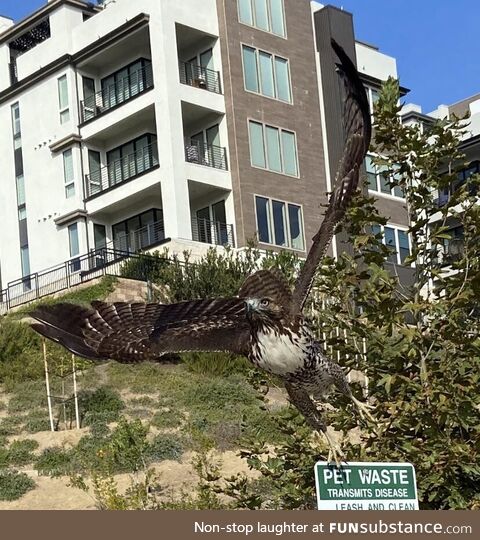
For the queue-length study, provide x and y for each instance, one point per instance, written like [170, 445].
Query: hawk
[264, 322]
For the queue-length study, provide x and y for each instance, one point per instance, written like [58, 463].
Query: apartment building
[148, 123]
[470, 147]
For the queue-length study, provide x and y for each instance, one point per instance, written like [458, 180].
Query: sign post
[366, 486]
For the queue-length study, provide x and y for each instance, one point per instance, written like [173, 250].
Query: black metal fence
[97, 263]
[206, 154]
[200, 77]
[114, 94]
[142, 238]
[121, 170]
[212, 232]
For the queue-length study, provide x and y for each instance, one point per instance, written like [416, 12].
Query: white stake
[47, 384]
[75, 395]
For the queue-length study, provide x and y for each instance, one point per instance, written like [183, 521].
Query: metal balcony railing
[122, 91]
[200, 77]
[121, 170]
[206, 154]
[212, 232]
[142, 238]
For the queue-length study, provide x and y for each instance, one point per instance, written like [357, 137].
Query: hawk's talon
[334, 451]
[363, 409]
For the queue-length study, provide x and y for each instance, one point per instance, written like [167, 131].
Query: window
[63, 99]
[372, 96]
[396, 239]
[25, 260]
[68, 174]
[16, 120]
[73, 240]
[139, 231]
[266, 74]
[74, 245]
[127, 82]
[20, 183]
[378, 180]
[267, 15]
[273, 148]
[132, 159]
[279, 223]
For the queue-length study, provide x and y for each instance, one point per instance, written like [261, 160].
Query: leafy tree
[418, 346]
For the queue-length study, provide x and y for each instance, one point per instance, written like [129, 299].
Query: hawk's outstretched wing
[357, 127]
[137, 332]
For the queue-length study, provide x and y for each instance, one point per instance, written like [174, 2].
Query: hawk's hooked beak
[251, 305]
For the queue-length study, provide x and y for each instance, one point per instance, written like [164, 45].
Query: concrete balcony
[117, 94]
[199, 77]
[123, 170]
[208, 155]
[212, 232]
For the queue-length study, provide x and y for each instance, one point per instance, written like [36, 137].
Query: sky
[436, 42]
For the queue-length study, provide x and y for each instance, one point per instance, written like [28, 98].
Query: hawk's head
[267, 297]
[264, 309]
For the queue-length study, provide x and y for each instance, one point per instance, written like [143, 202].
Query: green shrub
[165, 447]
[19, 352]
[27, 395]
[4, 462]
[11, 425]
[14, 485]
[99, 429]
[144, 378]
[36, 421]
[216, 364]
[20, 452]
[103, 404]
[128, 446]
[146, 268]
[168, 418]
[54, 461]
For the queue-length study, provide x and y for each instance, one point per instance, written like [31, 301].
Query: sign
[366, 486]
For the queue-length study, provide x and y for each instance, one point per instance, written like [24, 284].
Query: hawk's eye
[265, 302]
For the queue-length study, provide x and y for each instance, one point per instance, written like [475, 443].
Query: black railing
[115, 94]
[81, 269]
[206, 154]
[212, 232]
[121, 170]
[148, 236]
[200, 77]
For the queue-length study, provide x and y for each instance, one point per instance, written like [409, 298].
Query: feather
[135, 332]
[357, 127]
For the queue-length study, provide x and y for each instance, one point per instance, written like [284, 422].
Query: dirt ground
[56, 494]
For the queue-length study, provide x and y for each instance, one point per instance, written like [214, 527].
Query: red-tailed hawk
[264, 322]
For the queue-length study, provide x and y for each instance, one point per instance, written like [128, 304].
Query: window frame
[378, 180]
[265, 148]
[369, 91]
[269, 17]
[69, 183]
[274, 72]
[66, 108]
[396, 229]
[286, 217]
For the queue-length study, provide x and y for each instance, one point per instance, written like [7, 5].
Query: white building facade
[113, 131]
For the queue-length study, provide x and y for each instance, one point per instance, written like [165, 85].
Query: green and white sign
[366, 486]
